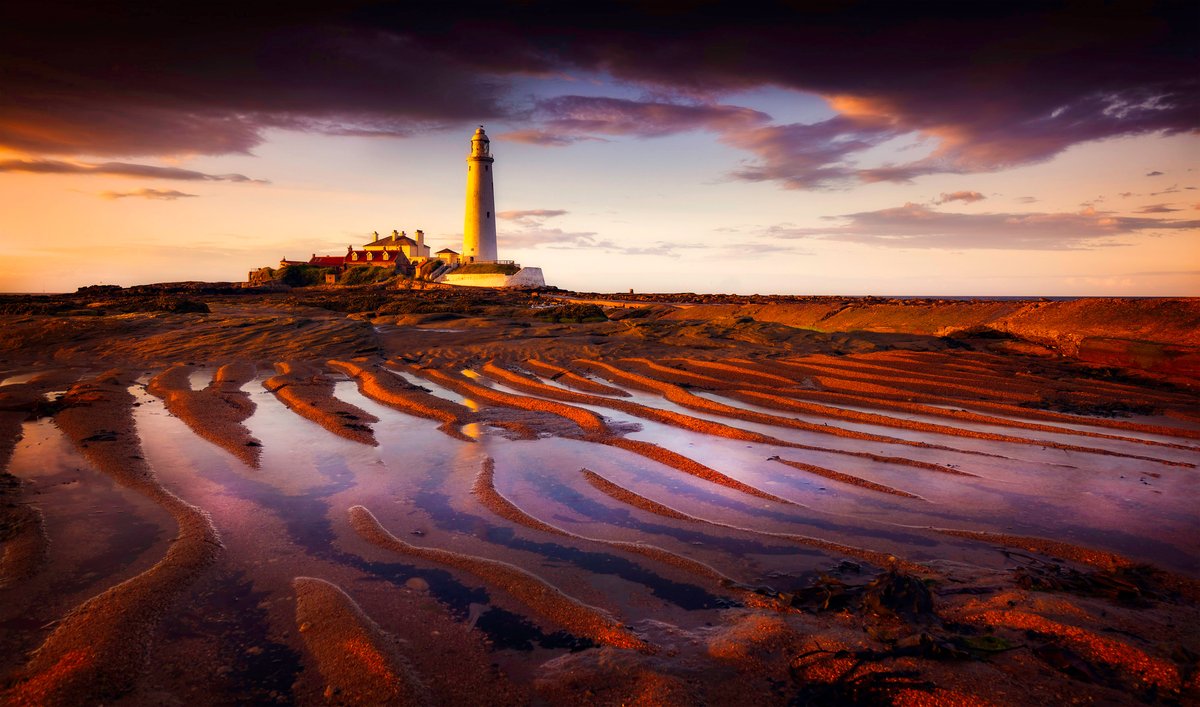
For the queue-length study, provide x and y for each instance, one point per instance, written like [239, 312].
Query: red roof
[328, 261]
[373, 257]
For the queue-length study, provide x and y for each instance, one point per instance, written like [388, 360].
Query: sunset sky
[802, 148]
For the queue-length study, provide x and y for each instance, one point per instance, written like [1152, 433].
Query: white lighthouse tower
[479, 226]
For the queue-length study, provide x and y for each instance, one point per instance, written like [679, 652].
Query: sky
[840, 148]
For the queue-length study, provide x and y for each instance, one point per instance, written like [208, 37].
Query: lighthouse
[479, 225]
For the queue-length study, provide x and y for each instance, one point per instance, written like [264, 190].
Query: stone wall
[525, 277]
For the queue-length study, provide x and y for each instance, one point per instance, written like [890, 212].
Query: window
[489, 214]
[354, 256]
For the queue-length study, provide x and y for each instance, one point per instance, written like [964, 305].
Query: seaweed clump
[572, 314]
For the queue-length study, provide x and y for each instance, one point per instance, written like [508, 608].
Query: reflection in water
[419, 481]
[306, 518]
[686, 596]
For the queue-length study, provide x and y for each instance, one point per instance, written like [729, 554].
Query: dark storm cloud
[119, 169]
[153, 79]
[918, 226]
[992, 84]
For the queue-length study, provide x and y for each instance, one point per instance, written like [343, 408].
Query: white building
[479, 223]
[415, 250]
[478, 264]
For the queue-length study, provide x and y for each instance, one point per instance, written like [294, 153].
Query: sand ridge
[680, 396]
[309, 393]
[844, 478]
[667, 417]
[1108, 651]
[1187, 586]
[572, 379]
[100, 647]
[546, 600]
[22, 527]
[485, 490]
[696, 424]
[879, 559]
[786, 403]
[360, 663]
[387, 387]
[26, 545]
[596, 430]
[587, 420]
[215, 413]
[933, 405]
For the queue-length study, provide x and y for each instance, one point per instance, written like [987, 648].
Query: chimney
[420, 240]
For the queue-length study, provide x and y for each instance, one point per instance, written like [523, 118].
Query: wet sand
[354, 497]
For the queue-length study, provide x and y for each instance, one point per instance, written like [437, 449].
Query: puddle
[17, 378]
[99, 533]
[305, 508]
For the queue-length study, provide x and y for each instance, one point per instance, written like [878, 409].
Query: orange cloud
[145, 193]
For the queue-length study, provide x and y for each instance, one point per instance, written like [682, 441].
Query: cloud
[145, 193]
[558, 239]
[532, 220]
[530, 213]
[1157, 209]
[213, 81]
[529, 232]
[544, 138]
[987, 86]
[1155, 173]
[1165, 273]
[918, 226]
[967, 197]
[804, 156]
[1027, 199]
[565, 120]
[119, 169]
[536, 237]
[1048, 76]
